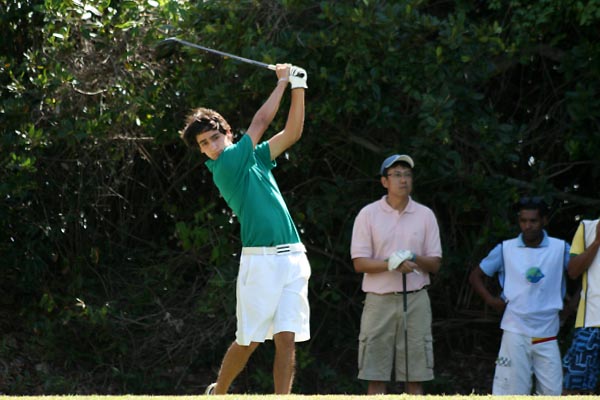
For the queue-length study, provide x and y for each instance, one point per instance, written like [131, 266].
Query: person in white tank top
[531, 272]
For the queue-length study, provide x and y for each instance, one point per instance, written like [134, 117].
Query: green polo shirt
[243, 176]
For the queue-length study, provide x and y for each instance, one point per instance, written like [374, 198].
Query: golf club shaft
[406, 380]
[221, 53]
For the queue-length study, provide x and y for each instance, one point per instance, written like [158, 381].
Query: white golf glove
[398, 258]
[298, 77]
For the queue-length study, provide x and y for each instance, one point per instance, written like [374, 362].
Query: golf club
[165, 47]
[405, 333]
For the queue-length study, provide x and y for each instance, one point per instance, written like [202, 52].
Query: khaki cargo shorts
[381, 340]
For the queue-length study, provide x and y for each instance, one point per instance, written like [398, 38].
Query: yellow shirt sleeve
[578, 243]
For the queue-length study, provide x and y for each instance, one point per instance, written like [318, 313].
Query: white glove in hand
[298, 77]
[398, 258]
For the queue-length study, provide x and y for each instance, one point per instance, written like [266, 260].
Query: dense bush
[118, 254]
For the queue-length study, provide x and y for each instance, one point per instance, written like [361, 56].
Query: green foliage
[119, 257]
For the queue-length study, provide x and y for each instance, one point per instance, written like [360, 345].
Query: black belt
[400, 293]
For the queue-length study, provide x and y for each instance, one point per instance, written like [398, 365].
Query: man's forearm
[476, 279]
[295, 122]
[269, 109]
[265, 114]
[369, 265]
[428, 264]
[580, 263]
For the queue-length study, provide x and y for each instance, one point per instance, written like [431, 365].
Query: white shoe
[211, 389]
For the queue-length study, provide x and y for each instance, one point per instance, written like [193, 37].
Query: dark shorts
[581, 361]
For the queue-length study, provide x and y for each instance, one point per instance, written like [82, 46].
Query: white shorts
[519, 359]
[272, 297]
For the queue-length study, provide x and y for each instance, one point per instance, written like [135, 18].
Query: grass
[291, 397]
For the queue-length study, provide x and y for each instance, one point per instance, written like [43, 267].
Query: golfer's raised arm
[293, 127]
[295, 121]
[265, 114]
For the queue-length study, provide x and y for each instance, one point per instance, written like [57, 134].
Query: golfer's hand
[283, 72]
[398, 258]
[298, 78]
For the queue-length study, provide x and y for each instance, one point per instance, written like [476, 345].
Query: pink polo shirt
[379, 230]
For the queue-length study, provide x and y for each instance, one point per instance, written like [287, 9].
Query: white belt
[277, 250]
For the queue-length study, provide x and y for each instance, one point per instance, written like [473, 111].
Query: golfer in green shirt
[272, 283]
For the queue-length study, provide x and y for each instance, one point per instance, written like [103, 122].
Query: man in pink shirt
[393, 239]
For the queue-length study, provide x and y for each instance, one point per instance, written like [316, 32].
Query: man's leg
[376, 341]
[582, 362]
[547, 368]
[285, 362]
[420, 343]
[376, 387]
[235, 360]
[513, 366]
[291, 319]
[414, 388]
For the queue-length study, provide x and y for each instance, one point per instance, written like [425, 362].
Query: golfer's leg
[376, 387]
[285, 362]
[233, 363]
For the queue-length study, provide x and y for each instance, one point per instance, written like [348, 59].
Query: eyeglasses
[406, 175]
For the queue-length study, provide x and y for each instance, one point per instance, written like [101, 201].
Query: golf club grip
[223, 54]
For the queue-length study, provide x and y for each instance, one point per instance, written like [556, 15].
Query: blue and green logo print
[534, 275]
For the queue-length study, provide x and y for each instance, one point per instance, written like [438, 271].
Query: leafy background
[118, 256]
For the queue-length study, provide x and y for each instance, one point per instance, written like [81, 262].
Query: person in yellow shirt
[582, 362]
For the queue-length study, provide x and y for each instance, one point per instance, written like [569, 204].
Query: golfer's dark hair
[202, 120]
[533, 203]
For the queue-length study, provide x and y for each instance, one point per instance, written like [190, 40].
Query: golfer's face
[399, 180]
[212, 143]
